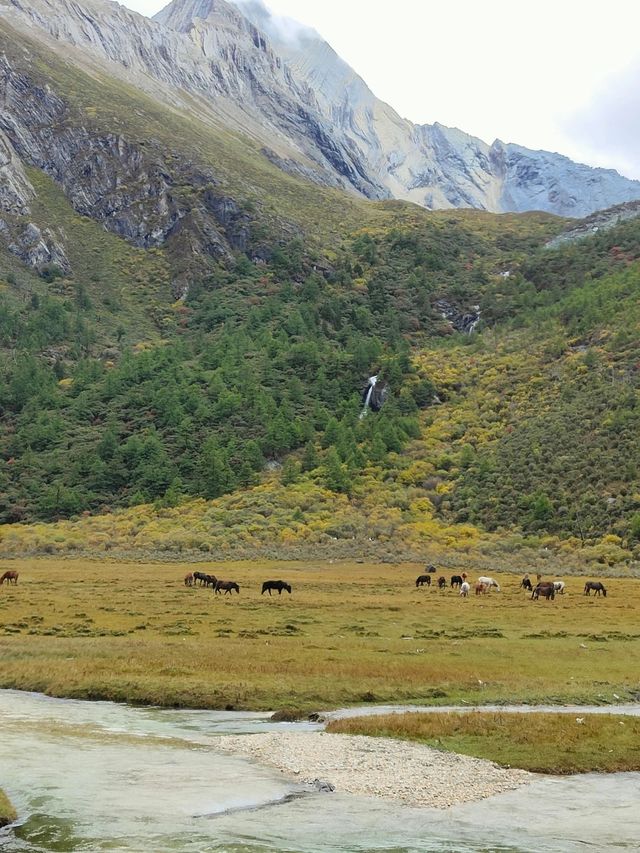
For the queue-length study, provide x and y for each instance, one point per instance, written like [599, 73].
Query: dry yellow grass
[542, 743]
[7, 811]
[349, 633]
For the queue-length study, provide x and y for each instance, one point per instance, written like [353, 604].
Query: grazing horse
[188, 579]
[227, 586]
[489, 582]
[546, 588]
[442, 582]
[200, 576]
[525, 583]
[465, 586]
[481, 588]
[279, 585]
[559, 586]
[596, 586]
[9, 577]
[423, 579]
[456, 581]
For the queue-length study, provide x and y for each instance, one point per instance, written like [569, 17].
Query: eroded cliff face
[136, 189]
[34, 246]
[222, 60]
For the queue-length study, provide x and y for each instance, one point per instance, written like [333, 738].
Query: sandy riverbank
[409, 773]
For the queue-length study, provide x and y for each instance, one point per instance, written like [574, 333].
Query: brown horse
[442, 582]
[188, 579]
[481, 588]
[267, 586]
[227, 586]
[9, 577]
[545, 588]
[596, 586]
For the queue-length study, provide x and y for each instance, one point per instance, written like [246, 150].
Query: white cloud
[282, 27]
[609, 123]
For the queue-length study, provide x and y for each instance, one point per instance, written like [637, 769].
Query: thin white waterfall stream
[372, 385]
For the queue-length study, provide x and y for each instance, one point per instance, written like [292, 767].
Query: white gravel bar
[409, 773]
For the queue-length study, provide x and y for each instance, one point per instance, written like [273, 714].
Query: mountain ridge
[510, 185]
[211, 58]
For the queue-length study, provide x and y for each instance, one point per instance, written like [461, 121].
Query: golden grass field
[542, 742]
[350, 633]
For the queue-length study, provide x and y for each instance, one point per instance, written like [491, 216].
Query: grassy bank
[7, 811]
[349, 633]
[542, 743]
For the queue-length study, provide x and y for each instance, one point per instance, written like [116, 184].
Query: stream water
[94, 776]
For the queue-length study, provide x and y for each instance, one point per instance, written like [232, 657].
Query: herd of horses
[220, 586]
[545, 589]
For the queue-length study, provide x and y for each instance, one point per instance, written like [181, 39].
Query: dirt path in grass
[409, 773]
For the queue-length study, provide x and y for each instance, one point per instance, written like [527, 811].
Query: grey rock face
[601, 220]
[557, 184]
[38, 248]
[433, 165]
[23, 237]
[16, 191]
[133, 190]
[307, 109]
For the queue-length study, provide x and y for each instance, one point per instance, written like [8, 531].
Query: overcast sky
[555, 74]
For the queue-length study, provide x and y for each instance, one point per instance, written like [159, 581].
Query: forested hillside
[251, 384]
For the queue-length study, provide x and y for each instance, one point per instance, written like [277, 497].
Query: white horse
[558, 586]
[489, 582]
[464, 589]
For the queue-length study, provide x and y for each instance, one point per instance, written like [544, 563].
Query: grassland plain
[543, 743]
[349, 633]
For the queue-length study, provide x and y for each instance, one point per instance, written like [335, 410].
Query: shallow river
[93, 776]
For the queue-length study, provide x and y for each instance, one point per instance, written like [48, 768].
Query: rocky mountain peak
[236, 66]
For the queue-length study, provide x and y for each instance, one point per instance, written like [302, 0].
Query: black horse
[545, 588]
[456, 581]
[267, 586]
[596, 586]
[525, 583]
[200, 576]
[227, 586]
[423, 579]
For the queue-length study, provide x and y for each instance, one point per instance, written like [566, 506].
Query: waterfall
[372, 385]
